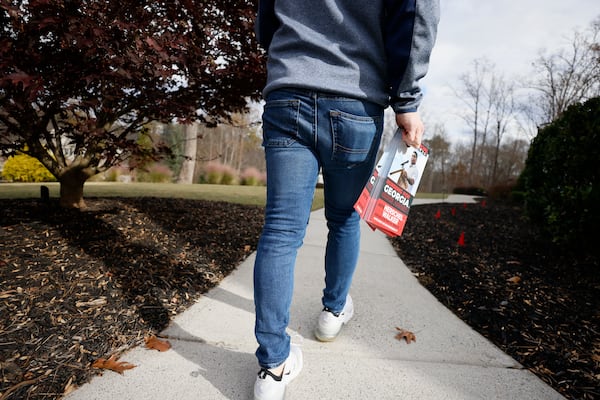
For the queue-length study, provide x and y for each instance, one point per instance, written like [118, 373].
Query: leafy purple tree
[80, 80]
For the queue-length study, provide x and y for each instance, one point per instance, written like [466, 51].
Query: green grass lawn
[252, 195]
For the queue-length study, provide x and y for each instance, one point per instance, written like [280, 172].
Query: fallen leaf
[152, 342]
[113, 364]
[514, 279]
[406, 335]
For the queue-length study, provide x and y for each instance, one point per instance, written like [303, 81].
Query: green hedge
[561, 179]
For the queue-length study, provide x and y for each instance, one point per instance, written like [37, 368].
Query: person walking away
[333, 67]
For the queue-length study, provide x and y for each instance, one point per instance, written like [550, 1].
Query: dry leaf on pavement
[113, 364]
[152, 342]
[406, 335]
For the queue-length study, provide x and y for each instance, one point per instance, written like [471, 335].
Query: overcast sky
[509, 33]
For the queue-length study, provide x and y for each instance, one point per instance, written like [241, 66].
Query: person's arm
[410, 30]
[266, 23]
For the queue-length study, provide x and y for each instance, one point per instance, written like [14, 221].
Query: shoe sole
[325, 338]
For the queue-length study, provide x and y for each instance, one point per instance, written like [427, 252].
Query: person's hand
[412, 128]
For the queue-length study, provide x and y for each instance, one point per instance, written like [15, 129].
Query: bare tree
[435, 174]
[567, 77]
[457, 173]
[473, 94]
[511, 160]
[235, 144]
[501, 97]
[186, 174]
[491, 110]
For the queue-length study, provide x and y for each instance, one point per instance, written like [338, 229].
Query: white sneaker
[269, 386]
[330, 324]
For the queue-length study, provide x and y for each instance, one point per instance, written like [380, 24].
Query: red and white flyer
[386, 198]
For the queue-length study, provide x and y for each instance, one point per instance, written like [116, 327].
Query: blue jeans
[303, 132]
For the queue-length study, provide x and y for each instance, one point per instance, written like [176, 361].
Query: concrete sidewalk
[213, 343]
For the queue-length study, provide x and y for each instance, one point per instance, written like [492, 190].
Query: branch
[59, 153]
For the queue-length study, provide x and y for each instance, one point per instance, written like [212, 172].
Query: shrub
[155, 173]
[217, 173]
[470, 190]
[228, 177]
[253, 177]
[113, 174]
[23, 168]
[504, 192]
[561, 179]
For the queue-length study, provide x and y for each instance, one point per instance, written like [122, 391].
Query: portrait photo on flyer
[386, 198]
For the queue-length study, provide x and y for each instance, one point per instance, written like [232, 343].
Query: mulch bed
[79, 285]
[488, 265]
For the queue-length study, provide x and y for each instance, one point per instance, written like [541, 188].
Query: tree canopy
[80, 79]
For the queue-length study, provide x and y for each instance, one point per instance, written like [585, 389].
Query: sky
[509, 33]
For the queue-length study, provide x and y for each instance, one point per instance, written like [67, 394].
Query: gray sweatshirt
[375, 50]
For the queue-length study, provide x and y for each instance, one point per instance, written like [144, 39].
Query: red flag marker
[482, 203]
[464, 205]
[453, 210]
[438, 214]
[461, 239]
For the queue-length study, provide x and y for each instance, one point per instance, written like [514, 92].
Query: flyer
[386, 198]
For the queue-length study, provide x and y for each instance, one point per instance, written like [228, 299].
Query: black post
[45, 194]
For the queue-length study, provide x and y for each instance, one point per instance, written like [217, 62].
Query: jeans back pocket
[280, 122]
[353, 137]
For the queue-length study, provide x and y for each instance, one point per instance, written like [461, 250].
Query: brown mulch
[76, 286]
[503, 280]
[79, 285]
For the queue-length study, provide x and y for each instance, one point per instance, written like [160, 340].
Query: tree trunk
[240, 155]
[186, 174]
[71, 189]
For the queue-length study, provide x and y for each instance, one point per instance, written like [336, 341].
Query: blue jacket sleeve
[410, 29]
[266, 23]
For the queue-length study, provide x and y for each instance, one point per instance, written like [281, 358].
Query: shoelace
[262, 374]
[335, 314]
